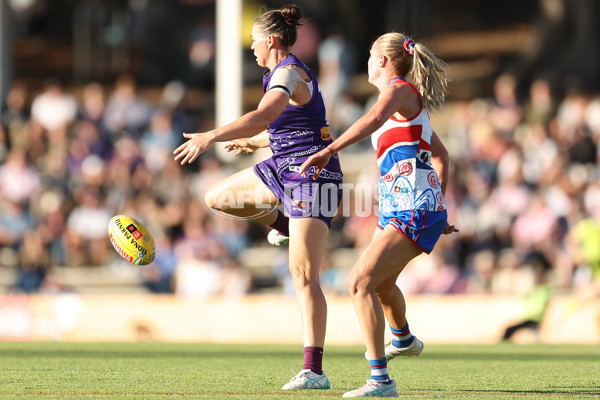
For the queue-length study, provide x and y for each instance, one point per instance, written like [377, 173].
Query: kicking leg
[243, 195]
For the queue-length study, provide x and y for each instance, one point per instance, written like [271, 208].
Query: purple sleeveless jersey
[299, 132]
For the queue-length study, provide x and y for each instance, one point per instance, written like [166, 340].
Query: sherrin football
[131, 240]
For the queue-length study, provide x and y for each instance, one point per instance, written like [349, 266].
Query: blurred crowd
[524, 192]
[68, 164]
[524, 189]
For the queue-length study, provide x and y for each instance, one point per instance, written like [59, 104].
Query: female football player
[292, 111]
[412, 211]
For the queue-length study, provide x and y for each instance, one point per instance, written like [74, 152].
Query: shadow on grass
[549, 392]
[512, 357]
[157, 350]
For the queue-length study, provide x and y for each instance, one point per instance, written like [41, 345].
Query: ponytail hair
[429, 73]
[282, 23]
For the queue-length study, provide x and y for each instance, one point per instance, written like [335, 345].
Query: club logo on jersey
[388, 177]
[399, 189]
[405, 169]
[131, 228]
[425, 156]
[432, 179]
[440, 199]
[325, 135]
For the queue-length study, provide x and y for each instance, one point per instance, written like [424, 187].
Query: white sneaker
[375, 388]
[391, 351]
[306, 379]
[277, 239]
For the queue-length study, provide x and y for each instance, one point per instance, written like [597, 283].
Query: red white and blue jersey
[407, 182]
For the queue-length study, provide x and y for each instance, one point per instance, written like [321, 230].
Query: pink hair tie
[409, 46]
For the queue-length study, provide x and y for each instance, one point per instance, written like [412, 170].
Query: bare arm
[389, 101]
[440, 160]
[260, 140]
[272, 104]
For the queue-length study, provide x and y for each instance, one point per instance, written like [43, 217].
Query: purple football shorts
[303, 197]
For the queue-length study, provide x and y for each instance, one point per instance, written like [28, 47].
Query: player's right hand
[197, 144]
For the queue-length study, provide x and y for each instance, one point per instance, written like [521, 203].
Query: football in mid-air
[131, 240]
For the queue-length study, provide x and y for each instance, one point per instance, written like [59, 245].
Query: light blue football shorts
[423, 227]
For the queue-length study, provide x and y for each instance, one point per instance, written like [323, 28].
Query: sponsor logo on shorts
[325, 135]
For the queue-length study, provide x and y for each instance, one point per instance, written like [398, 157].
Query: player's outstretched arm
[272, 104]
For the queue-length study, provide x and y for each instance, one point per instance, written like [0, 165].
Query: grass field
[227, 372]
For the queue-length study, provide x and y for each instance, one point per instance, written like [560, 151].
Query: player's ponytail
[428, 72]
[430, 77]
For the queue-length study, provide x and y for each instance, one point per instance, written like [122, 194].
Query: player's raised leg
[243, 195]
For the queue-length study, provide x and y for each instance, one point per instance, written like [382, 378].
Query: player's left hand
[197, 144]
[240, 146]
[449, 229]
[319, 159]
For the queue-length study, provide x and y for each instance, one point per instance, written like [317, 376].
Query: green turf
[226, 372]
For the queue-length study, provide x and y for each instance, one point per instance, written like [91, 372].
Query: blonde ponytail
[428, 72]
[430, 77]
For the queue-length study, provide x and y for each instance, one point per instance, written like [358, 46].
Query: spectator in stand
[93, 104]
[535, 228]
[541, 105]
[337, 62]
[19, 180]
[127, 113]
[15, 222]
[173, 100]
[85, 235]
[34, 262]
[51, 215]
[158, 140]
[584, 248]
[54, 110]
[158, 276]
[506, 111]
[15, 117]
[91, 134]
